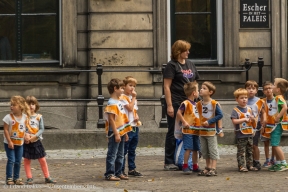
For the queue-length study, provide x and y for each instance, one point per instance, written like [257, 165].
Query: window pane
[39, 6]
[196, 30]
[39, 39]
[192, 5]
[7, 38]
[7, 7]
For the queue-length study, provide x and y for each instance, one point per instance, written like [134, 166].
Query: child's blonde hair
[210, 86]
[19, 100]
[33, 100]
[239, 92]
[190, 87]
[282, 84]
[129, 79]
[251, 83]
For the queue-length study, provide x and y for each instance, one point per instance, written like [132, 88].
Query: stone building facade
[137, 35]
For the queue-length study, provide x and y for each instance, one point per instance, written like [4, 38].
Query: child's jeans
[115, 156]
[130, 148]
[14, 157]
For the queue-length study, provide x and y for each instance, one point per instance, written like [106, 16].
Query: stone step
[89, 139]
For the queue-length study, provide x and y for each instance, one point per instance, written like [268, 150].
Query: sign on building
[254, 13]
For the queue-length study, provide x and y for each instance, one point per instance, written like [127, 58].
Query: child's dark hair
[282, 84]
[114, 83]
[129, 79]
[251, 83]
[33, 100]
[190, 87]
[210, 86]
[267, 83]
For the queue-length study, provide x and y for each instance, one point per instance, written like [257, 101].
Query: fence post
[100, 98]
[260, 65]
[163, 121]
[247, 66]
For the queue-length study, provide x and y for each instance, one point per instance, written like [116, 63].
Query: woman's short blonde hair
[179, 47]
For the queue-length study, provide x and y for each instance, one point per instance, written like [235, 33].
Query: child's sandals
[204, 172]
[10, 181]
[112, 178]
[18, 182]
[243, 169]
[253, 169]
[123, 177]
[212, 172]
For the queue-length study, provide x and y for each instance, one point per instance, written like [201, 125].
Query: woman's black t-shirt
[179, 78]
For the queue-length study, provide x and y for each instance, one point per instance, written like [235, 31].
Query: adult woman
[178, 71]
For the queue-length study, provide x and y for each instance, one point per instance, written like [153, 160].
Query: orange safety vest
[256, 108]
[127, 98]
[32, 126]
[246, 127]
[121, 119]
[205, 113]
[284, 122]
[17, 132]
[191, 116]
[271, 110]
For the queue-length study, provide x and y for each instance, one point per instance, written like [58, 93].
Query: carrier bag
[179, 155]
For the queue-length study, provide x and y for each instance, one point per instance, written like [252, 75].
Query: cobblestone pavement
[82, 170]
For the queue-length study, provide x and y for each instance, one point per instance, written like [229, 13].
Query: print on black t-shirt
[187, 73]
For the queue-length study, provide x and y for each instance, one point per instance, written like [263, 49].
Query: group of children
[196, 123]
[122, 129]
[23, 129]
[253, 119]
[199, 123]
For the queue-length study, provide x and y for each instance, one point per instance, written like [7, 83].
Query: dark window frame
[213, 25]
[18, 28]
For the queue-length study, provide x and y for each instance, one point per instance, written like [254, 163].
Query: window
[200, 23]
[29, 31]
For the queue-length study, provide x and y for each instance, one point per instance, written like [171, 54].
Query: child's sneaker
[50, 180]
[281, 167]
[197, 170]
[272, 167]
[135, 173]
[267, 164]
[171, 167]
[29, 181]
[257, 164]
[186, 171]
[272, 162]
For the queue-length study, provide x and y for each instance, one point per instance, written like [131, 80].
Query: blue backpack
[179, 155]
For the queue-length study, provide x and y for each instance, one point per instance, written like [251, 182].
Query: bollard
[100, 98]
[260, 66]
[163, 121]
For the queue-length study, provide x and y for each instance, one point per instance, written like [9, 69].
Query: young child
[129, 101]
[117, 126]
[210, 113]
[33, 148]
[256, 104]
[269, 123]
[188, 115]
[14, 133]
[279, 88]
[244, 123]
